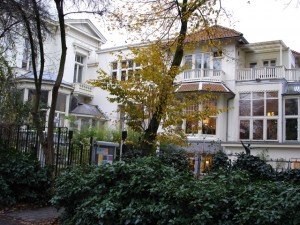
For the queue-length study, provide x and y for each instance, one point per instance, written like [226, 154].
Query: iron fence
[66, 151]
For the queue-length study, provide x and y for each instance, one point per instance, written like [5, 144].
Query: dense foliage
[147, 191]
[22, 180]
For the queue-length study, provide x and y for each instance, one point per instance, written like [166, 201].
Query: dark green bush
[148, 192]
[257, 168]
[22, 180]
[221, 162]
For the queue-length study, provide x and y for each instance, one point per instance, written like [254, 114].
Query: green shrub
[22, 180]
[257, 168]
[221, 162]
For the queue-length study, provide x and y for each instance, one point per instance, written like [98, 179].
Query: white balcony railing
[201, 75]
[83, 89]
[276, 72]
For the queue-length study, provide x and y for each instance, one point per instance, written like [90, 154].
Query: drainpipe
[227, 116]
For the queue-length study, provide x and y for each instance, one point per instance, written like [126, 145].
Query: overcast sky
[258, 20]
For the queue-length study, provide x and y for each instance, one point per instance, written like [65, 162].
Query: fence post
[81, 150]
[70, 136]
[91, 150]
[26, 141]
[57, 150]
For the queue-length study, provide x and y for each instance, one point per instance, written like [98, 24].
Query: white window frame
[77, 66]
[291, 117]
[265, 117]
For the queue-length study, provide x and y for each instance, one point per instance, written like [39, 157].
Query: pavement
[37, 216]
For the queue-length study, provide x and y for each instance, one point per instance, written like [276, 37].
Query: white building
[258, 82]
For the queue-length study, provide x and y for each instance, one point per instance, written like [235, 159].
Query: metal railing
[66, 151]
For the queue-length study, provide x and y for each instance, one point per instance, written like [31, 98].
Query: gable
[87, 27]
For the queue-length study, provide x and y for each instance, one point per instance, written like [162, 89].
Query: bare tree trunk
[50, 147]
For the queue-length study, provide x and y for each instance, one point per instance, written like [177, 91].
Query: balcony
[194, 75]
[85, 90]
[265, 73]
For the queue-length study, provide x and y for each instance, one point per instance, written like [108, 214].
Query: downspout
[227, 116]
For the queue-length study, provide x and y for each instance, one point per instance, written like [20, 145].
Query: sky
[258, 20]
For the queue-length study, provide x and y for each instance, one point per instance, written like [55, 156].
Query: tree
[171, 21]
[34, 17]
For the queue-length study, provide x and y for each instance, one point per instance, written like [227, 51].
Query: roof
[216, 32]
[295, 54]
[47, 76]
[88, 110]
[203, 86]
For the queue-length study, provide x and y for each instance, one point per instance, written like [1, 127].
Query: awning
[203, 86]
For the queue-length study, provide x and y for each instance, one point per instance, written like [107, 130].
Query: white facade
[258, 82]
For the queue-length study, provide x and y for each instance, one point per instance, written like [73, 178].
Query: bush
[148, 192]
[22, 180]
[257, 168]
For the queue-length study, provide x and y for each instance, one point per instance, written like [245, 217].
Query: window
[127, 69]
[291, 119]
[61, 102]
[253, 65]
[26, 58]
[269, 63]
[208, 125]
[78, 69]
[191, 123]
[217, 60]
[258, 114]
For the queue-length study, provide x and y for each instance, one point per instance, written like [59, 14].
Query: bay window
[258, 116]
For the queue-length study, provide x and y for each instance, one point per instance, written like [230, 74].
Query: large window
[291, 108]
[78, 69]
[258, 115]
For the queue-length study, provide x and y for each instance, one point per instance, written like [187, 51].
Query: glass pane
[258, 107]
[244, 129]
[217, 64]
[123, 76]
[272, 94]
[258, 95]
[198, 61]
[253, 65]
[124, 64]
[114, 75]
[188, 61]
[273, 63]
[291, 106]
[272, 107]
[209, 126]
[115, 66]
[271, 129]
[61, 102]
[266, 63]
[191, 127]
[80, 71]
[245, 96]
[291, 129]
[130, 63]
[258, 129]
[245, 107]
[206, 61]
[75, 74]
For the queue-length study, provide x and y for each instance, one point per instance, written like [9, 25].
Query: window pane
[123, 76]
[209, 126]
[244, 129]
[79, 78]
[114, 75]
[124, 64]
[253, 65]
[258, 107]
[114, 65]
[272, 94]
[217, 64]
[206, 61]
[271, 129]
[291, 107]
[191, 127]
[258, 129]
[291, 129]
[258, 95]
[198, 61]
[245, 96]
[61, 102]
[272, 107]
[188, 61]
[245, 107]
